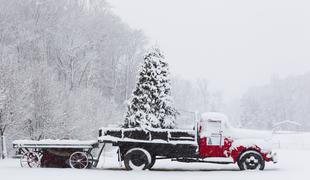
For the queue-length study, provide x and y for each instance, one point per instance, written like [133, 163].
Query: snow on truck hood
[251, 138]
[238, 133]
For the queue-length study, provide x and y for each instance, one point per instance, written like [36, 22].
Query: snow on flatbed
[158, 141]
[293, 164]
[49, 143]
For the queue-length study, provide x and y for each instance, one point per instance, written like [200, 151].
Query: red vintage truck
[213, 140]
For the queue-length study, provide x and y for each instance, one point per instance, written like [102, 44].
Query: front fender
[238, 151]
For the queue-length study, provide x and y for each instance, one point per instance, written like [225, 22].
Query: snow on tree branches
[151, 104]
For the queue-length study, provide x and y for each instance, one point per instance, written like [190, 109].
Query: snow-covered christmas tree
[151, 104]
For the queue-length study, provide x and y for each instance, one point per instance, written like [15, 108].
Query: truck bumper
[274, 157]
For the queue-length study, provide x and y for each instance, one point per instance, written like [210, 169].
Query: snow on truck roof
[214, 116]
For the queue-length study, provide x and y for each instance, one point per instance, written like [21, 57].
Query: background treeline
[286, 99]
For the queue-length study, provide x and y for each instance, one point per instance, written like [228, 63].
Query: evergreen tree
[151, 104]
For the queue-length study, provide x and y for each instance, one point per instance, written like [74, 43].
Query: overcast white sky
[235, 44]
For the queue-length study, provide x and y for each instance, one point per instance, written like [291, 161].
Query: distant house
[286, 125]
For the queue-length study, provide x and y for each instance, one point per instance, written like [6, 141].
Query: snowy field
[293, 164]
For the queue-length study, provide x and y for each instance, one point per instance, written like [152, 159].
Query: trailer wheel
[137, 159]
[78, 160]
[251, 160]
[31, 160]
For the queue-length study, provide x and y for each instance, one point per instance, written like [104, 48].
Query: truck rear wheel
[137, 159]
[251, 160]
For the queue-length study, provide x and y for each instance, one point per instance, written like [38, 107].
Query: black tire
[251, 160]
[152, 162]
[137, 159]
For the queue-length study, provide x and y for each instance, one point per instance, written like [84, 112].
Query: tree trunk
[3, 153]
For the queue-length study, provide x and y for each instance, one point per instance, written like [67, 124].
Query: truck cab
[218, 139]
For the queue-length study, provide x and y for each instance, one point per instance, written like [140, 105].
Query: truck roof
[214, 116]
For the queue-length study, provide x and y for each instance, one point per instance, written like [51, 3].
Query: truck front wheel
[137, 159]
[251, 160]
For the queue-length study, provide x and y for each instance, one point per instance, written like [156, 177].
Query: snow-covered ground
[293, 164]
[291, 140]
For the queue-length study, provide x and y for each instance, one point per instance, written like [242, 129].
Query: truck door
[211, 142]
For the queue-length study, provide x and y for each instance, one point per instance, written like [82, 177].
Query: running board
[190, 160]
